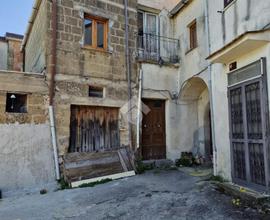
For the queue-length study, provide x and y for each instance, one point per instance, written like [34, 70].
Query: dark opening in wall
[96, 92]
[16, 103]
[227, 2]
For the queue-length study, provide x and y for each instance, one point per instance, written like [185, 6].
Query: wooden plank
[113, 177]
[122, 161]
[92, 171]
[78, 166]
[73, 157]
[102, 160]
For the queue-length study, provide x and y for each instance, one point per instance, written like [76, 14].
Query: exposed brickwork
[37, 98]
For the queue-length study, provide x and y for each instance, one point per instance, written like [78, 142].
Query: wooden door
[93, 129]
[153, 131]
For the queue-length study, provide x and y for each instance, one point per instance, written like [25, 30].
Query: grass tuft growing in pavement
[95, 183]
[63, 184]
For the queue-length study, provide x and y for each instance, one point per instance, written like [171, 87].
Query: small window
[16, 103]
[96, 92]
[227, 2]
[193, 35]
[95, 32]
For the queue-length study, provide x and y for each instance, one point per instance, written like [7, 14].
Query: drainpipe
[52, 86]
[139, 113]
[128, 74]
[211, 89]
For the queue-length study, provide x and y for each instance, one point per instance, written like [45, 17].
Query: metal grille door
[248, 120]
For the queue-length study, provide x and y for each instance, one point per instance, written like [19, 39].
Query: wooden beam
[113, 177]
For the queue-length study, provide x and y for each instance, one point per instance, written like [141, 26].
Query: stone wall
[79, 66]
[34, 87]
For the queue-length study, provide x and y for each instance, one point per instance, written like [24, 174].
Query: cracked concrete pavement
[153, 195]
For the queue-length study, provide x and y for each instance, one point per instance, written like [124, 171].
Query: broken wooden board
[83, 166]
[112, 177]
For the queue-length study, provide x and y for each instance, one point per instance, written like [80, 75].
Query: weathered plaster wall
[192, 61]
[37, 44]
[238, 18]
[3, 55]
[159, 4]
[190, 134]
[164, 86]
[221, 106]
[184, 131]
[203, 140]
[15, 56]
[26, 157]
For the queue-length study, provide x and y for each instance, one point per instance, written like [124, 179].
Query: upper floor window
[95, 32]
[193, 35]
[147, 32]
[227, 2]
[147, 23]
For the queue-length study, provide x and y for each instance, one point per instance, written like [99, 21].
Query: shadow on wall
[195, 91]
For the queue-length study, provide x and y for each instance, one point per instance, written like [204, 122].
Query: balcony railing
[158, 48]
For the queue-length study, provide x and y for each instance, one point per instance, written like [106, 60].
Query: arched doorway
[194, 97]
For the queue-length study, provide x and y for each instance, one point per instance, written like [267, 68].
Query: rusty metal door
[93, 129]
[153, 131]
[248, 131]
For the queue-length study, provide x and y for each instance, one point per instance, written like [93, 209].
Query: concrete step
[248, 196]
[160, 164]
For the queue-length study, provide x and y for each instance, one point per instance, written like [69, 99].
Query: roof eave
[178, 7]
[32, 18]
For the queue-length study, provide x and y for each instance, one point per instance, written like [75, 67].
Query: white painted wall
[220, 72]
[26, 158]
[192, 62]
[238, 18]
[183, 128]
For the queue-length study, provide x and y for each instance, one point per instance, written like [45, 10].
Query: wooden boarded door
[93, 129]
[153, 131]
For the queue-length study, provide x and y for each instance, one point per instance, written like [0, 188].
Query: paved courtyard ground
[153, 195]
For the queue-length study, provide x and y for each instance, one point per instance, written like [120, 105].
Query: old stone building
[160, 77]
[94, 78]
[11, 57]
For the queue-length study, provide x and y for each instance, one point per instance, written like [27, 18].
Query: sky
[14, 15]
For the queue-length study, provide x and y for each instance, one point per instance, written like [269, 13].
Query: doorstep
[162, 163]
[250, 197]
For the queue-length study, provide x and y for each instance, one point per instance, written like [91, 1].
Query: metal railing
[161, 49]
